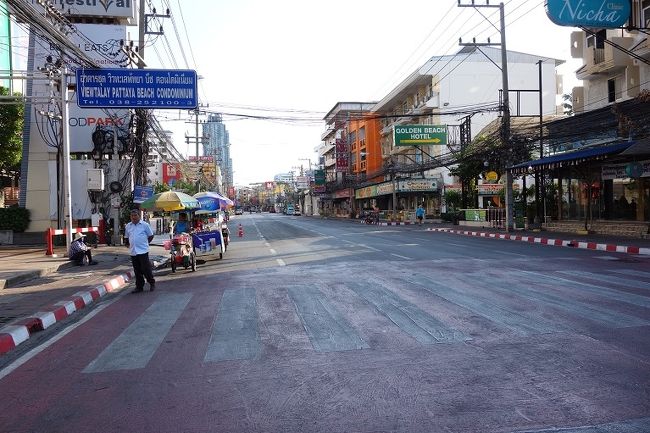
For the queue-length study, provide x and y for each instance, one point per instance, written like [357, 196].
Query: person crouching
[79, 251]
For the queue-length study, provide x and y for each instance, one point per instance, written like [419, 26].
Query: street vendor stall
[181, 245]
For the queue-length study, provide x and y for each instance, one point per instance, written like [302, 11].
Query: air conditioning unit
[95, 178]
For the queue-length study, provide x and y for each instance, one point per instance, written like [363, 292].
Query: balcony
[607, 60]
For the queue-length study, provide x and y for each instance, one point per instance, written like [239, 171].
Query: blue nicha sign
[589, 13]
[136, 88]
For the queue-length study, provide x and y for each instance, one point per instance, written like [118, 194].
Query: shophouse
[458, 94]
[598, 161]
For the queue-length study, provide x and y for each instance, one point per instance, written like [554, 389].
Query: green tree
[11, 129]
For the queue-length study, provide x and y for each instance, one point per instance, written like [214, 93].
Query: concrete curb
[555, 242]
[18, 332]
[30, 275]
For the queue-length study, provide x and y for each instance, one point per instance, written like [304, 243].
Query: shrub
[14, 218]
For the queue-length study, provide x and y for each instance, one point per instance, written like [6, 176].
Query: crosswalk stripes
[631, 272]
[326, 327]
[236, 332]
[409, 318]
[610, 279]
[521, 323]
[628, 426]
[593, 313]
[137, 344]
[602, 291]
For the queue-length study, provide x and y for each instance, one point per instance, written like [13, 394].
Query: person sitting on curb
[79, 251]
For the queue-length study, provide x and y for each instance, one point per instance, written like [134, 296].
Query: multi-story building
[459, 92]
[217, 144]
[599, 159]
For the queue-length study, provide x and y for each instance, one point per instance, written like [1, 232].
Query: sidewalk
[36, 290]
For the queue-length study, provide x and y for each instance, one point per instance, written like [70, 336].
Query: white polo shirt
[138, 235]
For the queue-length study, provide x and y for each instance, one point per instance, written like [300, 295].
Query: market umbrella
[170, 201]
[212, 201]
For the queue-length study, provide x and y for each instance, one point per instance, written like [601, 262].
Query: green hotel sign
[419, 135]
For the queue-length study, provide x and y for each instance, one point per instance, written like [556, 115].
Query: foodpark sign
[589, 13]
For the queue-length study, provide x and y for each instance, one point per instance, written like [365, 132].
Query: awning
[571, 158]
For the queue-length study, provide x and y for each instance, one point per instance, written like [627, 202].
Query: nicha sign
[589, 13]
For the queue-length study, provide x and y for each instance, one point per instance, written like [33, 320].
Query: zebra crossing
[426, 308]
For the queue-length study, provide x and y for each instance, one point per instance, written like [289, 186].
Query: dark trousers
[78, 258]
[142, 269]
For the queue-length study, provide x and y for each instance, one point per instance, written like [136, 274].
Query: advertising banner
[142, 193]
[621, 171]
[342, 163]
[171, 173]
[417, 185]
[490, 189]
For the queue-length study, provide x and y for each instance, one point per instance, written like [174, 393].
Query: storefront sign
[589, 13]
[453, 187]
[342, 193]
[142, 193]
[621, 171]
[418, 135]
[490, 189]
[417, 185]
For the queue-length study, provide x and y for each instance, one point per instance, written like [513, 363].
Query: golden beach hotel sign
[419, 135]
[124, 9]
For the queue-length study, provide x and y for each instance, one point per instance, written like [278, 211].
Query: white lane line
[266, 244]
[35, 351]
[272, 251]
[370, 248]
[401, 257]
[280, 262]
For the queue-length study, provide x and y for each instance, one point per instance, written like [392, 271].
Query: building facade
[217, 144]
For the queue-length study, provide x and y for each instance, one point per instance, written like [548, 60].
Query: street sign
[418, 135]
[137, 88]
[142, 193]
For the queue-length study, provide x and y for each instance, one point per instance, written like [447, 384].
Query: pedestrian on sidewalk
[419, 214]
[138, 235]
[79, 251]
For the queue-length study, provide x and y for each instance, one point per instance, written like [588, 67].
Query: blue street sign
[137, 88]
[142, 193]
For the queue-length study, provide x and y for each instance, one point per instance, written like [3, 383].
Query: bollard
[48, 241]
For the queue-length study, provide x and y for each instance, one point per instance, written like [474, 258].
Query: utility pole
[505, 117]
[65, 129]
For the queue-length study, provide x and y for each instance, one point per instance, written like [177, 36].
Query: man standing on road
[419, 214]
[138, 236]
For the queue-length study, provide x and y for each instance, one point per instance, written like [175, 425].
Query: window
[611, 90]
[645, 13]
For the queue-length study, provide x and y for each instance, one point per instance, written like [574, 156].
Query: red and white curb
[18, 332]
[556, 242]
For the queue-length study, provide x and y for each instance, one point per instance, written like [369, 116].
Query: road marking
[522, 323]
[370, 248]
[608, 278]
[327, 329]
[135, 347]
[235, 330]
[272, 251]
[280, 262]
[401, 257]
[266, 244]
[408, 317]
[627, 426]
[35, 351]
[631, 272]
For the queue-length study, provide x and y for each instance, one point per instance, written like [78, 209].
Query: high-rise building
[217, 144]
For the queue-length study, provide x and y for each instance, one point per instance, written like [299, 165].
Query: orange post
[48, 240]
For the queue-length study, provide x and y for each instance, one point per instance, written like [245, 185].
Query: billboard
[102, 43]
[97, 8]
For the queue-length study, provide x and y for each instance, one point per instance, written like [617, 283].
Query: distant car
[239, 211]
